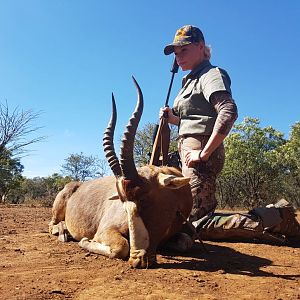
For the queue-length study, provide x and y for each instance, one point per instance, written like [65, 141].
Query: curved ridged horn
[108, 143]
[126, 155]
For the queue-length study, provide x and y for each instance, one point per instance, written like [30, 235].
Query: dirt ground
[35, 265]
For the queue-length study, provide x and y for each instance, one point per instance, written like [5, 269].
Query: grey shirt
[197, 114]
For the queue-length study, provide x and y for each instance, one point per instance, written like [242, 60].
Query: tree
[288, 157]
[144, 140]
[10, 174]
[102, 168]
[251, 176]
[291, 149]
[43, 189]
[81, 167]
[17, 129]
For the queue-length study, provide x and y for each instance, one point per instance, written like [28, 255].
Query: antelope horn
[126, 156]
[108, 143]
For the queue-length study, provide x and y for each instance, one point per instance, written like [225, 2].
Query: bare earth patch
[35, 265]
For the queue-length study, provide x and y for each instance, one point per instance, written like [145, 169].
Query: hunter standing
[205, 112]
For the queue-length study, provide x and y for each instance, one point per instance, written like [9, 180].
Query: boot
[289, 225]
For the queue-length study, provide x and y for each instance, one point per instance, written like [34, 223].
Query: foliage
[10, 173]
[43, 189]
[144, 140]
[80, 167]
[40, 190]
[252, 175]
[291, 150]
[288, 157]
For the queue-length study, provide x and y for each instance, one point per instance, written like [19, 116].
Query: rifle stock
[160, 149]
[159, 155]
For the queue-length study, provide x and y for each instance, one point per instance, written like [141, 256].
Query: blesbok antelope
[130, 214]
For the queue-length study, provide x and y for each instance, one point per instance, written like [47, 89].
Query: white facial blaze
[138, 234]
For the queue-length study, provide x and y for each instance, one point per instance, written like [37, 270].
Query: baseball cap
[185, 35]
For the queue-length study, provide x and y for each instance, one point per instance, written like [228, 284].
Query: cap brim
[169, 49]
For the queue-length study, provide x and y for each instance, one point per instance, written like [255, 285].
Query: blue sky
[65, 58]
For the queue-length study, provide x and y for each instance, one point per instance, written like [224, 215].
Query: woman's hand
[194, 156]
[166, 112]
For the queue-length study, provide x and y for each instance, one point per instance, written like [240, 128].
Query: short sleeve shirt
[197, 115]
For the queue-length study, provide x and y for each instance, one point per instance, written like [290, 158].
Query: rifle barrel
[169, 91]
[173, 71]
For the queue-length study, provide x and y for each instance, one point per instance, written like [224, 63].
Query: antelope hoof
[140, 260]
[83, 242]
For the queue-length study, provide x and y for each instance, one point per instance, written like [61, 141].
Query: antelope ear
[171, 181]
[114, 197]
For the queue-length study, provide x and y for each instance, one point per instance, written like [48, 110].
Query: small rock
[60, 292]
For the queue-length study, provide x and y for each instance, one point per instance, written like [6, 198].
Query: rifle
[159, 155]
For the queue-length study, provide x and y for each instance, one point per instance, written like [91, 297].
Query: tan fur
[101, 225]
[59, 206]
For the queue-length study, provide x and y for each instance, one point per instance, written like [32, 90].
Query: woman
[205, 112]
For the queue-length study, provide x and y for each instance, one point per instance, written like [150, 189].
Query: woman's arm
[227, 114]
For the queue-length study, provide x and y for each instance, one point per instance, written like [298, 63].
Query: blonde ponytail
[207, 52]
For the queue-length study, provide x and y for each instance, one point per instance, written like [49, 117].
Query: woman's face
[189, 56]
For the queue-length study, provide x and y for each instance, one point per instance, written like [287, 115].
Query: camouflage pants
[276, 223]
[203, 175]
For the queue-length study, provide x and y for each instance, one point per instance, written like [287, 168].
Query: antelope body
[130, 214]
